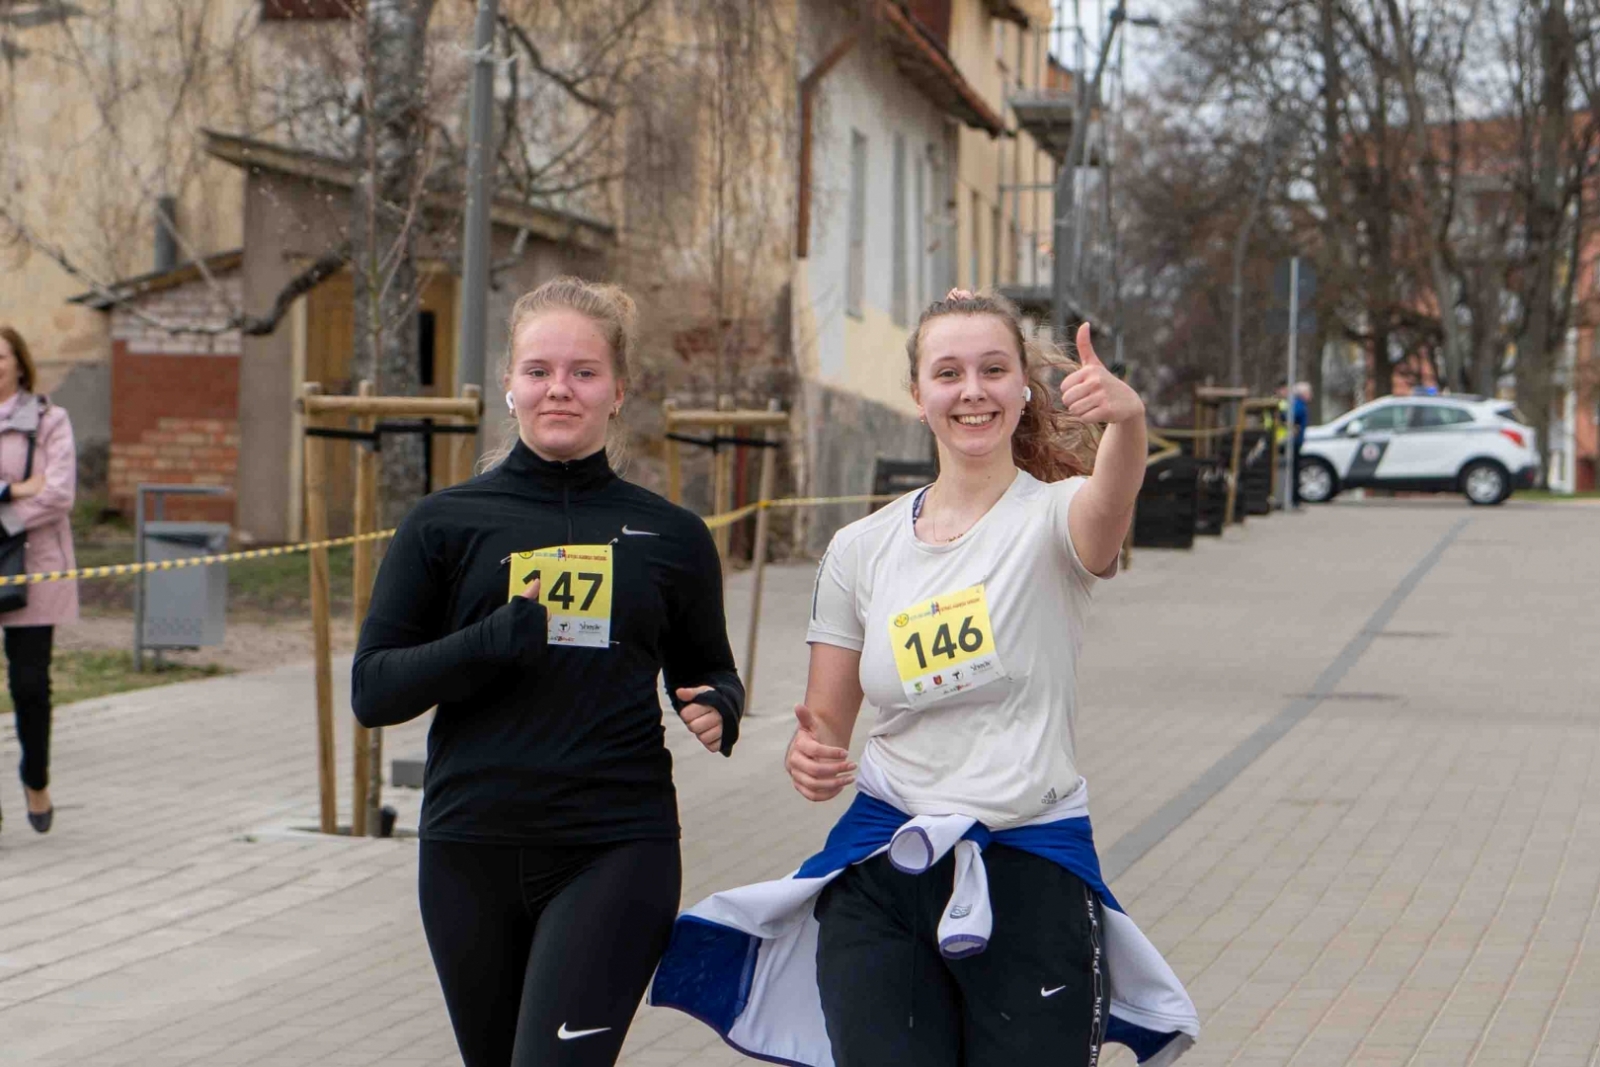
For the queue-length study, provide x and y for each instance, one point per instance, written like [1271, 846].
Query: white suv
[1440, 444]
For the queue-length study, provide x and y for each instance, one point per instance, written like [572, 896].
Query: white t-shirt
[972, 719]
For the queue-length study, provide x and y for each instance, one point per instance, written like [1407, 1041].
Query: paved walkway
[1345, 769]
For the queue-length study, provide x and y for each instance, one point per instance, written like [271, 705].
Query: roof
[552, 224]
[1010, 10]
[924, 62]
[120, 292]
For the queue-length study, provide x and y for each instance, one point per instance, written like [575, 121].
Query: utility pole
[1066, 182]
[472, 336]
[1290, 456]
[1241, 241]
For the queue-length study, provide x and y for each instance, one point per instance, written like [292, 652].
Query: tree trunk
[386, 204]
[1538, 343]
[1437, 200]
[1336, 251]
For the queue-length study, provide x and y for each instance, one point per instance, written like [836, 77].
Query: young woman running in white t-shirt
[956, 916]
[958, 611]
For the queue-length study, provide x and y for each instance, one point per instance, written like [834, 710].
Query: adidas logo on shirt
[1049, 798]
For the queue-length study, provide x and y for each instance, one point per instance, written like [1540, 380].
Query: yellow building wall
[985, 49]
[101, 115]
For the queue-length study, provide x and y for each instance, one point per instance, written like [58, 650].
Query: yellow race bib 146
[945, 645]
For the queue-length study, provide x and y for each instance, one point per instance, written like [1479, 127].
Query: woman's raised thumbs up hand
[1092, 393]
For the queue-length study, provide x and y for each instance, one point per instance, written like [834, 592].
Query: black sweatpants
[1033, 998]
[543, 953]
[28, 650]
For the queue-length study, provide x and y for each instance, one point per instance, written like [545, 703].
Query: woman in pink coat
[40, 503]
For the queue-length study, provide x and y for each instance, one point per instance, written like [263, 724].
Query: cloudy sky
[1144, 48]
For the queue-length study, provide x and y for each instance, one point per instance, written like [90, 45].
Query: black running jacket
[537, 742]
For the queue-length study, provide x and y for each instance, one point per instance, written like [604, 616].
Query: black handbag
[13, 550]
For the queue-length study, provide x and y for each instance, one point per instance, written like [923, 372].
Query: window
[306, 10]
[920, 203]
[995, 232]
[1388, 417]
[897, 279]
[427, 346]
[976, 214]
[856, 269]
[1435, 417]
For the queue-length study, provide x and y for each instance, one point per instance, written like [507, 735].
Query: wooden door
[330, 340]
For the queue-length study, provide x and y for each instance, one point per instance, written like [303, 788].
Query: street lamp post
[1066, 181]
[472, 334]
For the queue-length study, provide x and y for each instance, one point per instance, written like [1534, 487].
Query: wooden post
[463, 446]
[1271, 422]
[1200, 439]
[669, 408]
[722, 482]
[758, 557]
[316, 485]
[360, 595]
[1233, 480]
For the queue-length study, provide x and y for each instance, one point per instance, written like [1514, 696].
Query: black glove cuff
[731, 713]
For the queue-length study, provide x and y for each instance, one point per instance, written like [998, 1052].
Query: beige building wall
[992, 223]
[100, 113]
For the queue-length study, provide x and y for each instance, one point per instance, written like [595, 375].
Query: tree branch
[536, 60]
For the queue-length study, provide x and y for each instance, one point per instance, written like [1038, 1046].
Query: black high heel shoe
[41, 820]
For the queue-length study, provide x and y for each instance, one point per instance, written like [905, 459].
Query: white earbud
[511, 405]
[1027, 394]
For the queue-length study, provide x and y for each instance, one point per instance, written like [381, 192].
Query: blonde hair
[1048, 443]
[608, 306]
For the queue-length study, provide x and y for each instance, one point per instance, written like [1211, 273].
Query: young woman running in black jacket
[535, 606]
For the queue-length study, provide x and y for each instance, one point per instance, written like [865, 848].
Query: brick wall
[195, 304]
[175, 401]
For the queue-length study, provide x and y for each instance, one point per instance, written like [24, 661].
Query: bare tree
[1556, 168]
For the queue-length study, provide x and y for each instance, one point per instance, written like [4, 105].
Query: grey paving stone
[1406, 876]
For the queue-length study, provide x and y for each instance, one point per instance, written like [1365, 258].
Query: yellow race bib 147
[574, 587]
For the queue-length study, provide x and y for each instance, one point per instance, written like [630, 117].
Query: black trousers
[1034, 998]
[28, 650]
[543, 954]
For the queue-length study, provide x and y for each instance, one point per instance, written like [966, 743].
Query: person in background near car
[35, 434]
[1299, 416]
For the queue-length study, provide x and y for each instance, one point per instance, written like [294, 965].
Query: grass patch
[86, 674]
[283, 583]
[272, 585]
[1547, 495]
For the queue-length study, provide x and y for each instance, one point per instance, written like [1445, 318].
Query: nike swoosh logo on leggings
[568, 1035]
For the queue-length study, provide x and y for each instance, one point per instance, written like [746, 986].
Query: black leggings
[1033, 998]
[28, 671]
[543, 953]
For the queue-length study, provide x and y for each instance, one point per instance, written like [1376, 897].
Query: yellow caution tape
[1162, 456]
[116, 570]
[728, 518]
[1215, 431]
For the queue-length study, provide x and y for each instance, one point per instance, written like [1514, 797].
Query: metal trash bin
[185, 607]
[1168, 501]
[901, 475]
[1256, 460]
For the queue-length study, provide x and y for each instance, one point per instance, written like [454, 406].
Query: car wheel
[1485, 483]
[1316, 482]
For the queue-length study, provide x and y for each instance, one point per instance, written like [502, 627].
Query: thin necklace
[932, 533]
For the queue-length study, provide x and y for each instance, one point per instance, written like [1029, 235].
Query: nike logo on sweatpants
[568, 1035]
